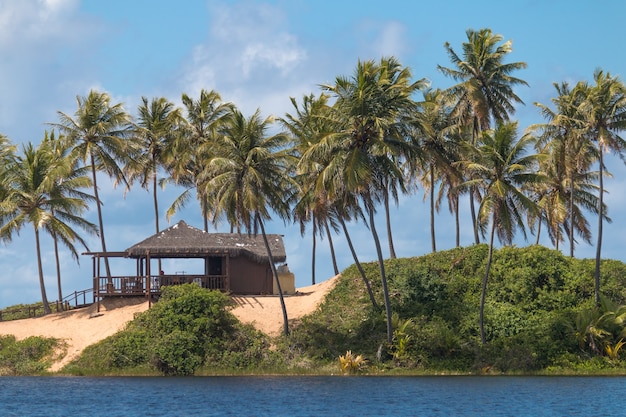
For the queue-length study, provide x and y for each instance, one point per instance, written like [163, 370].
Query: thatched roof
[184, 241]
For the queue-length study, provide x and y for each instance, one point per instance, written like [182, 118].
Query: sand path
[84, 327]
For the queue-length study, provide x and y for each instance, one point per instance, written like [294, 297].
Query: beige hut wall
[287, 281]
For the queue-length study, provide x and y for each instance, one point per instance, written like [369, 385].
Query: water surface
[313, 396]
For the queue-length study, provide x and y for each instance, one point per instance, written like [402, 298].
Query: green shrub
[30, 356]
[189, 327]
[177, 353]
[247, 348]
[129, 348]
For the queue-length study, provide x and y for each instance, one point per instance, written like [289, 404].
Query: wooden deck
[134, 286]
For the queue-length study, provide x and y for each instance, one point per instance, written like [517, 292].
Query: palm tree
[501, 170]
[7, 150]
[97, 135]
[571, 183]
[71, 179]
[205, 118]
[34, 195]
[365, 153]
[7, 160]
[249, 177]
[156, 129]
[604, 113]
[307, 127]
[433, 125]
[339, 204]
[485, 89]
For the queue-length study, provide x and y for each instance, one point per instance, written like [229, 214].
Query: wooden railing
[78, 298]
[133, 285]
[75, 300]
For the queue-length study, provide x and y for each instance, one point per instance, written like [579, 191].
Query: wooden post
[97, 284]
[148, 285]
[227, 279]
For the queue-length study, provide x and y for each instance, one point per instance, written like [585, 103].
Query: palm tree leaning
[249, 178]
[604, 113]
[98, 135]
[67, 191]
[502, 169]
[308, 126]
[365, 152]
[34, 196]
[485, 89]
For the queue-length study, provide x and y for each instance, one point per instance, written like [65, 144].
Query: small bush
[30, 356]
[352, 364]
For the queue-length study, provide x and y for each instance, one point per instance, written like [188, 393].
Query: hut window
[215, 265]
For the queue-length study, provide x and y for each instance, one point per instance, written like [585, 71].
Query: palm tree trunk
[600, 217]
[483, 292]
[314, 246]
[475, 131]
[473, 214]
[58, 265]
[358, 264]
[42, 286]
[369, 206]
[432, 208]
[205, 217]
[539, 231]
[571, 216]
[275, 273]
[392, 251]
[100, 224]
[57, 261]
[332, 248]
[156, 206]
[457, 222]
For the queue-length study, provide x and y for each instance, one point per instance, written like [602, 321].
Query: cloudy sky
[258, 54]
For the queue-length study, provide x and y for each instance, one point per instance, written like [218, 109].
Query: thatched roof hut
[233, 262]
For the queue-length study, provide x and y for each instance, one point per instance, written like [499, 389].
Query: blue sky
[258, 54]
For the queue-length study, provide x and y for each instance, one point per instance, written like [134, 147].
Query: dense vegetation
[31, 356]
[540, 317]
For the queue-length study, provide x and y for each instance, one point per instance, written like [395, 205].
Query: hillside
[84, 327]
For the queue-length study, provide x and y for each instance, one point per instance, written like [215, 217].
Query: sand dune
[83, 327]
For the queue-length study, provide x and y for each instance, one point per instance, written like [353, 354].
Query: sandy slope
[81, 328]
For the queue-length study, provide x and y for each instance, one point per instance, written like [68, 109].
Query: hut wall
[249, 277]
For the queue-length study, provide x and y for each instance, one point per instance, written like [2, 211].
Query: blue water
[313, 396]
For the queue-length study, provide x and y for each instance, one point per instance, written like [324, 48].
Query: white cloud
[247, 58]
[391, 39]
[45, 50]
